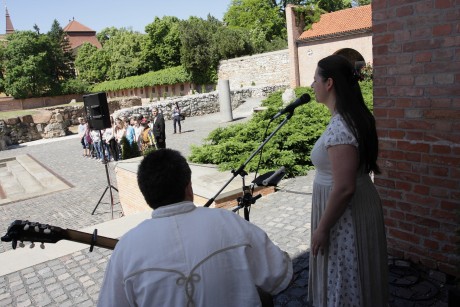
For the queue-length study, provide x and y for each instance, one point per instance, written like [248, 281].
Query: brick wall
[8, 103]
[416, 50]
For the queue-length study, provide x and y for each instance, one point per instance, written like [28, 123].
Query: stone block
[58, 117]
[12, 121]
[26, 119]
[42, 117]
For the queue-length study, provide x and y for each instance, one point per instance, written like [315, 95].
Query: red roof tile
[75, 26]
[341, 22]
[9, 24]
[77, 34]
[76, 41]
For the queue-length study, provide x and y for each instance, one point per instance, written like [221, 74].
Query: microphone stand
[247, 199]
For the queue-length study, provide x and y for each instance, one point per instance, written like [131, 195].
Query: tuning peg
[32, 245]
[37, 229]
[26, 227]
[42, 246]
[47, 231]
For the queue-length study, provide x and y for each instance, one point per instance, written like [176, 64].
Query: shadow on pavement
[296, 294]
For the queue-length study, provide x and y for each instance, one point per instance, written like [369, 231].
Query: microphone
[305, 98]
[275, 177]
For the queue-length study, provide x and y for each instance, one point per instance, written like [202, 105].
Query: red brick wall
[416, 46]
[9, 104]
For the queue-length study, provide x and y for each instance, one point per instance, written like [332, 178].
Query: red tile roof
[9, 24]
[339, 23]
[75, 26]
[76, 41]
[77, 34]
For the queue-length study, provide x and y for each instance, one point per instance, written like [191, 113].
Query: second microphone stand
[247, 200]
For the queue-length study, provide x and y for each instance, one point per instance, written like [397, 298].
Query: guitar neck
[87, 238]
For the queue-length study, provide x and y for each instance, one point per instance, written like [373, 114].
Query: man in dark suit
[158, 127]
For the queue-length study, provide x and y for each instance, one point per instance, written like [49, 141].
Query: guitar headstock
[22, 231]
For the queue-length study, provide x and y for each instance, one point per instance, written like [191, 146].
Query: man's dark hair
[163, 176]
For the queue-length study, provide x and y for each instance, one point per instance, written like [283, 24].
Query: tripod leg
[100, 200]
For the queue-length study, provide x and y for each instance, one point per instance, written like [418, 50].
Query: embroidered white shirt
[194, 256]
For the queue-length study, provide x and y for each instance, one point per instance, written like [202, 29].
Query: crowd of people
[193, 256]
[106, 145]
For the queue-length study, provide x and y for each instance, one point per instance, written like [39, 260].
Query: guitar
[35, 232]
[20, 231]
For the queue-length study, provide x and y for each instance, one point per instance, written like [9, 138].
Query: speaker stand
[109, 185]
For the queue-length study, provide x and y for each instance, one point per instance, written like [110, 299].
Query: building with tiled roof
[347, 32]
[9, 29]
[77, 34]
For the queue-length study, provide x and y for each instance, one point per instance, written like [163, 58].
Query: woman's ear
[329, 83]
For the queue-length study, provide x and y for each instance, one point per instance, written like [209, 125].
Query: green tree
[61, 67]
[105, 34]
[26, 60]
[198, 49]
[261, 17]
[164, 42]
[232, 42]
[124, 52]
[91, 64]
[330, 5]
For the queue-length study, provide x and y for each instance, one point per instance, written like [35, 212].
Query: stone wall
[271, 68]
[199, 104]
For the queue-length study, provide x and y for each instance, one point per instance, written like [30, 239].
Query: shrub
[128, 150]
[290, 147]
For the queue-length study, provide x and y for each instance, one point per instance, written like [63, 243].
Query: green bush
[149, 150]
[128, 150]
[290, 147]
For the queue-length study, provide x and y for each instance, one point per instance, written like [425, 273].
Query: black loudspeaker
[97, 111]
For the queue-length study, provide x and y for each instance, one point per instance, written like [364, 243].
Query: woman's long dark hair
[350, 105]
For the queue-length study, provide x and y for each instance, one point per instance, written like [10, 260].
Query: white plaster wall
[310, 53]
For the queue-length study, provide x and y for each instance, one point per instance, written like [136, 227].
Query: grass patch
[16, 113]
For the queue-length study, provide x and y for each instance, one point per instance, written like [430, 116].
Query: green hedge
[290, 147]
[172, 75]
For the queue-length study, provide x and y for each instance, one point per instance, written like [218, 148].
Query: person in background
[187, 255]
[120, 132]
[147, 137]
[157, 124]
[81, 135]
[97, 146]
[176, 117]
[138, 128]
[130, 134]
[348, 262]
[110, 140]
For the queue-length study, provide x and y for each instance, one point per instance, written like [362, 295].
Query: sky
[99, 14]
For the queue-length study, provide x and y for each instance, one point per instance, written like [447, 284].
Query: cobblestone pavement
[75, 279]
